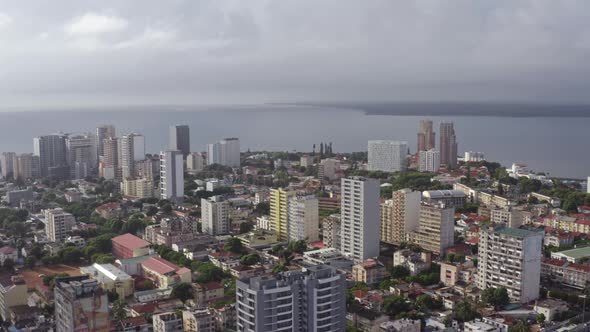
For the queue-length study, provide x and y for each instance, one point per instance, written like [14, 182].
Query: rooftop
[516, 232]
[102, 272]
[130, 241]
[161, 266]
[576, 253]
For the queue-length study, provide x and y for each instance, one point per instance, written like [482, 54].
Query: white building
[131, 149]
[225, 152]
[215, 215]
[328, 168]
[303, 218]
[360, 218]
[510, 258]
[399, 216]
[429, 161]
[308, 300]
[387, 156]
[436, 228]
[167, 322]
[195, 162]
[474, 157]
[81, 155]
[59, 223]
[171, 175]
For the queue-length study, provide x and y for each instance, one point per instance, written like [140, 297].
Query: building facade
[436, 228]
[448, 144]
[279, 214]
[171, 176]
[52, 153]
[59, 223]
[311, 300]
[80, 305]
[215, 215]
[387, 156]
[226, 152]
[429, 161]
[426, 136]
[399, 216]
[510, 258]
[359, 217]
[180, 139]
[303, 218]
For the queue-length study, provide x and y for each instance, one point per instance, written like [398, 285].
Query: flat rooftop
[576, 253]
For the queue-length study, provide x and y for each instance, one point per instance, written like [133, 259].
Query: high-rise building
[331, 231]
[473, 157]
[52, 153]
[399, 216]
[138, 188]
[13, 292]
[102, 133]
[109, 164]
[131, 148]
[7, 163]
[180, 139]
[215, 215]
[429, 161]
[279, 214]
[448, 144]
[80, 305]
[387, 156]
[303, 218]
[359, 215]
[195, 162]
[436, 228]
[426, 136]
[171, 175]
[588, 185]
[59, 223]
[225, 152]
[310, 300]
[81, 155]
[510, 258]
[26, 166]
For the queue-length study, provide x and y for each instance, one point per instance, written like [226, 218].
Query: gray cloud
[222, 51]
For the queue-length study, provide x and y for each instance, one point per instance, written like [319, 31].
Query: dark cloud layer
[219, 51]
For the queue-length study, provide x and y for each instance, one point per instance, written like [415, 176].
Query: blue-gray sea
[558, 145]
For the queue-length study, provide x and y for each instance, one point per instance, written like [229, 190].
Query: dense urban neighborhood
[98, 234]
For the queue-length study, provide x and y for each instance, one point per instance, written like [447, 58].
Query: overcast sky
[55, 52]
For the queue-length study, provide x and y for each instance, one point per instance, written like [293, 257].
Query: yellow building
[139, 188]
[163, 273]
[279, 200]
[13, 292]
[110, 278]
[370, 272]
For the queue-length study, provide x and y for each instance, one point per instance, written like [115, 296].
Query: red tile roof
[581, 267]
[159, 265]
[210, 285]
[130, 241]
[7, 250]
[473, 240]
[361, 294]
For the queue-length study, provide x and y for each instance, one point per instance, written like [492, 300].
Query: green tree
[297, 246]
[464, 312]
[30, 261]
[234, 245]
[426, 302]
[70, 255]
[245, 227]
[495, 296]
[119, 309]
[394, 305]
[520, 326]
[540, 318]
[151, 211]
[251, 259]
[182, 291]
[400, 271]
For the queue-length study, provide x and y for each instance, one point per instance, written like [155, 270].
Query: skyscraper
[429, 161]
[7, 163]
[387, 156]
[279, 215]
[436, 228]
[52, 153]
[131, 148]
[310, 300]
[102, 133]
[59, 223]
[81, 155]
[359, 218]
[171, 176]
[26, 166]
[195, 162]
[180, 139]
[448, 144]
[109, 163]
[225, 152]
[303, 218]
[426, 136]
[215, 215]
[510, 258]
[80, 305]
[400, 215]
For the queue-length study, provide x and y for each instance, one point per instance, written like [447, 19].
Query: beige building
[167, 322]
[13, 292]
[199, 320]
[331, 231]
[415, 262]
[80, 305]
[399, 216]
[58, 224]
[258, 238]
[207, 292]
[110, 278]
[370, 272]
[279, 200]
[163, 273]
[453, 273]
[435, 230]
[303, 218]
[138, 188]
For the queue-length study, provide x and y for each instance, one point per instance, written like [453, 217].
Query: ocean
[557, 145]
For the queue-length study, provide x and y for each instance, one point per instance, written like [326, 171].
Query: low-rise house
[13, 292]
[76, 240]
[110, 278]
[110, 210]
[167, 322]
[7, 252]
[550, 308]
[558, 239]
[244, 271]
[205, 292]
[198, 320]
[163, 273]
[224, 259]
[370, 272]
[564, 273]
[365, 319]
[131, 324]
[402, 325]
[415, 262]
[452, 274]
[572, 255]
[225, 317]
[478, 325]
[258, 238]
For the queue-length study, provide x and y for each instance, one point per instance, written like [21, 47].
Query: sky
[150, 52]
